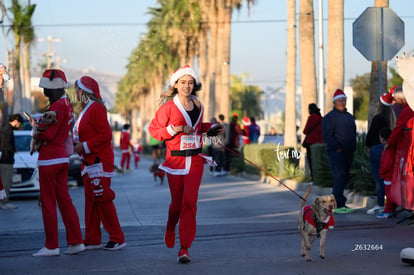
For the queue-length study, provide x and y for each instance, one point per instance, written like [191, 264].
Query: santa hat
[246, 121]
[338, 94]
[186, 70]
[54, 79]
[89, 85]
[396, 90]
[386, 99]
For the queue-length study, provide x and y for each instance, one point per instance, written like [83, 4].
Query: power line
[122, 24]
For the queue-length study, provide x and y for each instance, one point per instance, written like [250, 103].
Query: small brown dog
[157, 173]
[314, 221]
[40, 125]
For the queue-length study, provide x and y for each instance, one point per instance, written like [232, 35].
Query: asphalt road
[244, 227]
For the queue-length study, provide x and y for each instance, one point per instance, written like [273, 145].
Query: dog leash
[257, 166]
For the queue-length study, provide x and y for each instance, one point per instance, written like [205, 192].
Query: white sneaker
[75, 249]
[7, 206]
[47, 252]
[375, 209]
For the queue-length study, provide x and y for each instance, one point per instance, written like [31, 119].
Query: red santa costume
[403, 178]
[246, 123]
[184, 162]
[93, 131]
[3, 194]
[137, 154]
[125, 144]
[53, 165]
[328, 223]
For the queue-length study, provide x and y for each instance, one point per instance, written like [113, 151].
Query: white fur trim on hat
[83, 87]
[186, 70]
[338, 94]
[57, 83]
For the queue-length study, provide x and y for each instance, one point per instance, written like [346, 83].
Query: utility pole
[50, 55]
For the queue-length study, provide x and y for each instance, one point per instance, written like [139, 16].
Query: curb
[356, 200]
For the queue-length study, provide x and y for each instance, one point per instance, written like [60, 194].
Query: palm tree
[28, 36]
[335, 56]
[290, 104]
[307, 54]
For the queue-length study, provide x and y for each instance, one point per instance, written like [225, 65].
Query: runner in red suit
[93, 138]
[125, 144]
[53, 162]
[137, 154]
[179, 123]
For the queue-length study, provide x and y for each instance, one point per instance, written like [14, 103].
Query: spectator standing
[53, 162]
[254, 131]
[313, 132]
[339, 134]
[233, 141]
[179, 123]
[7, 149]
[126, 145]
[218, 149]
[93, 136]
[384, 118]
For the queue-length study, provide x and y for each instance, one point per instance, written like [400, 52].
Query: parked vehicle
[75, 169]
[25, 171]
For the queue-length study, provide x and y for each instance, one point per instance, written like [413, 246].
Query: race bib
[190, 142]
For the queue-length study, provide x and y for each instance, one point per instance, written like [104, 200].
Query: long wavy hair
[85, 97]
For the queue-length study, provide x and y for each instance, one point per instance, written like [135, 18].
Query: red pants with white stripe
[54, 189]
[125, 159]
[99, 207]
[184, 196]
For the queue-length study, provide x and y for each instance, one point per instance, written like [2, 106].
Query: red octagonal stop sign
[378, 33]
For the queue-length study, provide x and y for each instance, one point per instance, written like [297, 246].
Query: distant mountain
[107, 82]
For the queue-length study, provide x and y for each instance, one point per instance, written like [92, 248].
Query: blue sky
[258, 48]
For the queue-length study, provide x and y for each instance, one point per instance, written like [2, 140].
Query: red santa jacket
[307, 216]
[93, 130]
[402, 123]
[387, 165]
[125, 142]
[171, 114]
[54, 152]
[313, 129]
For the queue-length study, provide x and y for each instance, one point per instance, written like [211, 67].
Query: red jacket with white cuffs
[93, 130]
[171, 114]
[54, 152]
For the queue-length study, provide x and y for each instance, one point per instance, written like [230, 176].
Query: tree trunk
[290, 104]
[335, 57]
[225, 62]
[212, 61]
[17, 83]
[307, 55]
[28, 106]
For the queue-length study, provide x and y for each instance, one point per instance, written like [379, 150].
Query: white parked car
[26, 173]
